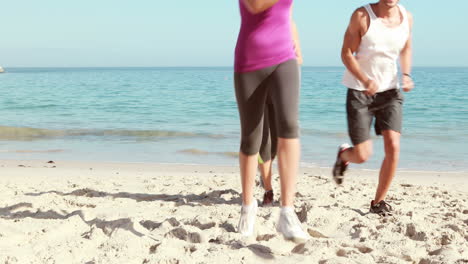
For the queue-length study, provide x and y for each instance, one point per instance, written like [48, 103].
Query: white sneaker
[247, 219]
[290, 227]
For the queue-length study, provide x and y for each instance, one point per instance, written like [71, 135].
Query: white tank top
[378, 53]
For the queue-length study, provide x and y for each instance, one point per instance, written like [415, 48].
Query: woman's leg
[285, 99]
[251, 96]
[288, 163]
[267, 152]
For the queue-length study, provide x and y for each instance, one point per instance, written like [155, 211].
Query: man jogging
[378, 34]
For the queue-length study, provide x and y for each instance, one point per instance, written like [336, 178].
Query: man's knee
[363, 153]
[392, 148]
[392, 143]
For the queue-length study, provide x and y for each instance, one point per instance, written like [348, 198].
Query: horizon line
[187, 66]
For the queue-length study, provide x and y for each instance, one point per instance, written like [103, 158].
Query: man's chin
[390, 3]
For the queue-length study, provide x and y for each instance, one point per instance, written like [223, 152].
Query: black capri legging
[269, 146]
[281, 84]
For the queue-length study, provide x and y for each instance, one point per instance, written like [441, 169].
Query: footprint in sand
[154, 248]
[203, 225]
[445, 239]
[364, 249]
[228, 227]
[179, 233]
[446, 253]
[190, 249]
[261, 250]
[413, 234]
[173, 222]
[150, 225]
[315, 233]
[342, 252]
[265, 237]
[302, 215]
[182, 234]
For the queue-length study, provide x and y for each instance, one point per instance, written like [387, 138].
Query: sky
[146, 33]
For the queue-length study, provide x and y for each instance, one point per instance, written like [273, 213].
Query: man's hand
[408, 83]
[371, 87]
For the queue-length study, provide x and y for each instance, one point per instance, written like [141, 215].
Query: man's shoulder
[360, 15]
[410, 15]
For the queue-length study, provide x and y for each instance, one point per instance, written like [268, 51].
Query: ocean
[189, 116]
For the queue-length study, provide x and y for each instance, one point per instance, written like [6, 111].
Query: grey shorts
[386, 107]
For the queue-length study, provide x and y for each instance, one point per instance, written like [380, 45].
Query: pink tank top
[265, 39]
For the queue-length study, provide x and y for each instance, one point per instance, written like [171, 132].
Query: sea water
[189, 115]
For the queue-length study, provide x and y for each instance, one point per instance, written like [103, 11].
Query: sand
[82, 212]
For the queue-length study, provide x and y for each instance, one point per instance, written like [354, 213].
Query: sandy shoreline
[82, 212]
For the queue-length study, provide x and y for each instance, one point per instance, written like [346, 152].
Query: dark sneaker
[340, 166]
[268, 198]
[381, 208]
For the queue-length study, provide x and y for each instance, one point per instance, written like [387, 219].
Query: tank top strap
[404, 14]
[370, 12]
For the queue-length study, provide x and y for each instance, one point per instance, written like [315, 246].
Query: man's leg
[389, 124]
[359, 153]
[389, 164]
[359, 122]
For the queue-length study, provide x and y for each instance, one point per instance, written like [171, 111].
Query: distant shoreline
[423, 177]
[198, 67]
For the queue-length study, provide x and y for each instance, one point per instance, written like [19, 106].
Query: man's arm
[352, 39]
[258, 6]
[406, 59]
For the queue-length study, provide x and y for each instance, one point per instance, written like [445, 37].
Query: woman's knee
[251, 145]
[288, 129]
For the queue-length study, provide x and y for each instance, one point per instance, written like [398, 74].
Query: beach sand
[82, 212]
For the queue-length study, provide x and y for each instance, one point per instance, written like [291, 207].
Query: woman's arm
[295, 37]
[258, 6]
[297, 43]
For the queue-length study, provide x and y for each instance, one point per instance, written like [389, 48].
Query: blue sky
[198, 33]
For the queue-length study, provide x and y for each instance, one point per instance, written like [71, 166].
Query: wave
[324, 133]
[200, 152]
[26, 151]
[29, 134]
[29, 107]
